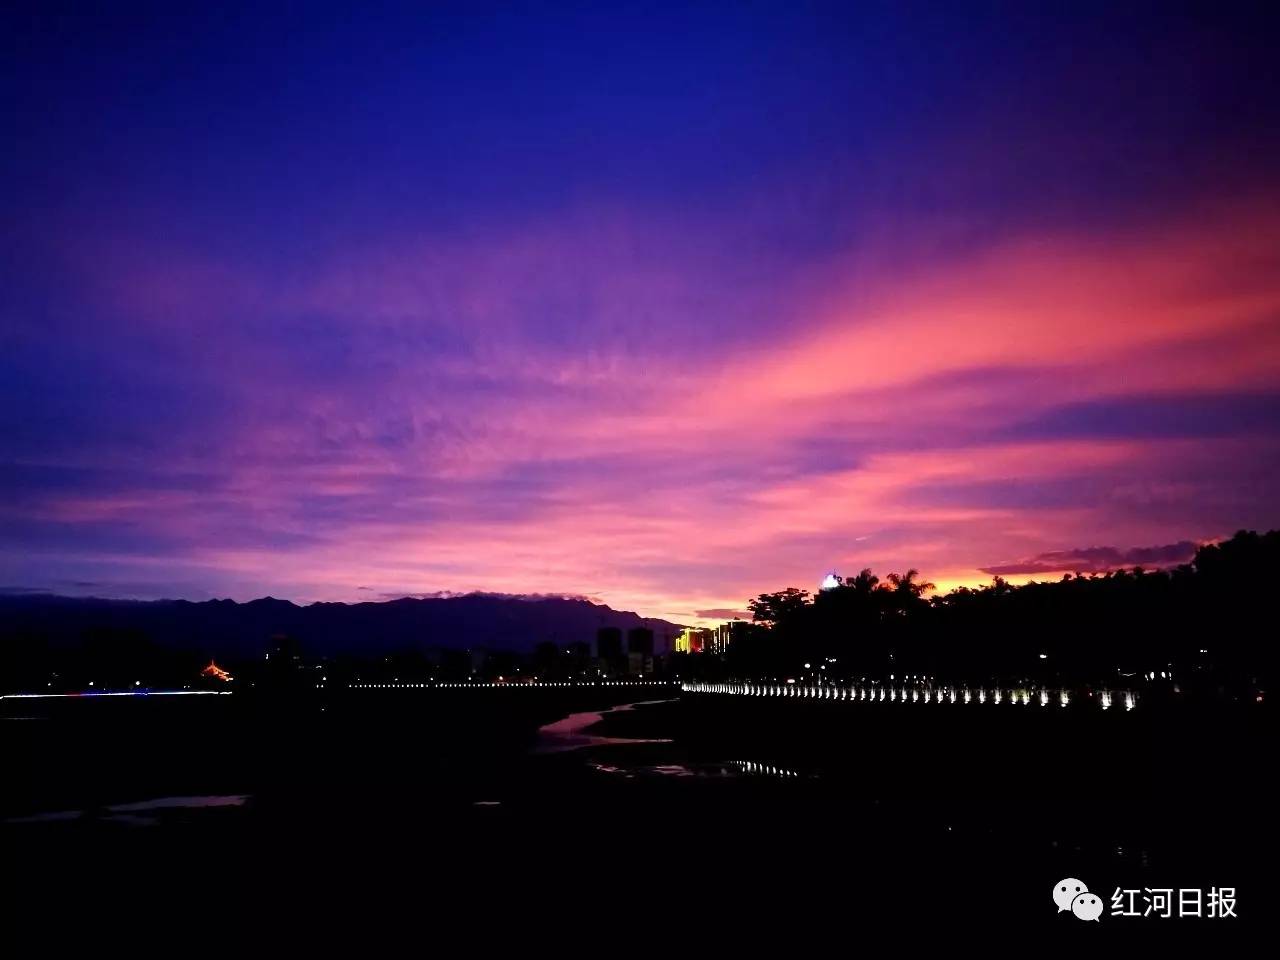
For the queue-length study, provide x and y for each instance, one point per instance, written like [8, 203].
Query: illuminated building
[716, 640]
[216, 672]
[725, 634]
[692, 640]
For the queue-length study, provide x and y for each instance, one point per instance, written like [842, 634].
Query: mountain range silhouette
[231, 629]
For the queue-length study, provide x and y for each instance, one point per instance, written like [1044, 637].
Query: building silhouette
[723, 636]
[640, 640]
[609, 643]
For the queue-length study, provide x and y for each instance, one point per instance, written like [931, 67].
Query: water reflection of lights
[762, 769]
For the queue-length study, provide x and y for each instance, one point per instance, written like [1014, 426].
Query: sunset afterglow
[595, 324]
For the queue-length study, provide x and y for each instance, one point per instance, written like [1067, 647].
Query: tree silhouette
[779, 609]
[907, 585]
[1204, 623]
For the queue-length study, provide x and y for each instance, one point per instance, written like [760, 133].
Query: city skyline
[661, 309]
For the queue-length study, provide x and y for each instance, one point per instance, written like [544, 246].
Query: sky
[664, 306]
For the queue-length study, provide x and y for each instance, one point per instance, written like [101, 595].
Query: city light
[116, 693]
[859, 694]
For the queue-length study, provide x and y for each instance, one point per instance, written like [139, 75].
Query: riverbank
[782, 816]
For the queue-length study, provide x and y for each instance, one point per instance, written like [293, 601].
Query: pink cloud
[541, 412]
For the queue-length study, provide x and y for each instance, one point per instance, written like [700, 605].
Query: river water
[697, 800]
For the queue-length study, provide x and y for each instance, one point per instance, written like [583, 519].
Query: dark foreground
[436, 815]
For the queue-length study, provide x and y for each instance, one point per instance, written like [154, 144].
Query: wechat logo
[1073, 895]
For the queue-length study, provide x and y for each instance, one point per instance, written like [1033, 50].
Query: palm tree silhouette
[906, 583]
[864, 582]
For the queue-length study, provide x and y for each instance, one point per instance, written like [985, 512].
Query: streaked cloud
[662, 350]
[1099, 560]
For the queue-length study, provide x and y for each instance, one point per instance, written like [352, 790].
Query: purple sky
[664, 308]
